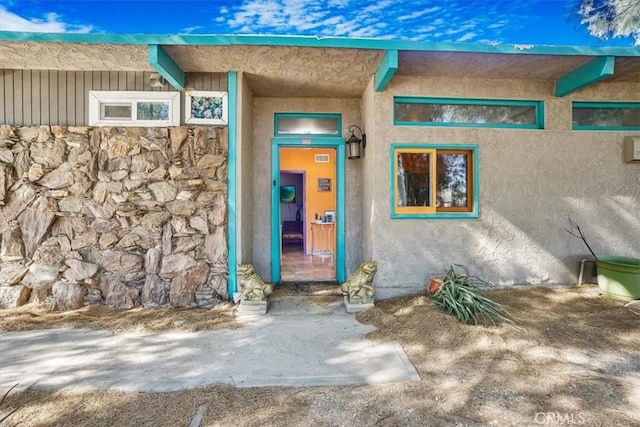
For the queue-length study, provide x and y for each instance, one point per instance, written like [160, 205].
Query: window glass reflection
[115, 111]
[307, 125]
[153, 111]
[606, 117]
[452, 180]
[462, 113]
[414, 179]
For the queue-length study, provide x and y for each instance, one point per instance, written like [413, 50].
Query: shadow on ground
[574, 359]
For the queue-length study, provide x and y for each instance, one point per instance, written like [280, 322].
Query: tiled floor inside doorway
[298, 266]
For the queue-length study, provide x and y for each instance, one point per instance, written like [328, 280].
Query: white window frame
[97, 98]
[188, 100]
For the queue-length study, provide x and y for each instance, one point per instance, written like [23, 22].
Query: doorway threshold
[308, 288]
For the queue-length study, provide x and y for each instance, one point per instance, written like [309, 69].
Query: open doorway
[307, 214]
[292, 203]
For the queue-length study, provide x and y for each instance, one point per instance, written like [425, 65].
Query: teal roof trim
[166, 66]
[589, 73]
[386, 70]
[306, 41]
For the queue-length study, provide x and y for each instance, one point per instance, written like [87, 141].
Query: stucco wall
[244, 175]
[264, 110]
[531, 181]
[368, 171]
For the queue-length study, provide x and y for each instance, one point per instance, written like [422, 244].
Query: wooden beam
[166, 66]
[589, 73]
[386, 70]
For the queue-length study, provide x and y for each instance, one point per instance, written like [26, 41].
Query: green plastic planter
[619, 276]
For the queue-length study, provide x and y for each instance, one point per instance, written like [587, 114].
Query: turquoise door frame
[308, 142]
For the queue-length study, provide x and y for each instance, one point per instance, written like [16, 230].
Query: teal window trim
[589, 104]
[474, 213]
[277, 116]
[538, 105]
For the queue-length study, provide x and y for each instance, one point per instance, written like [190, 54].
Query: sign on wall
[324, 184]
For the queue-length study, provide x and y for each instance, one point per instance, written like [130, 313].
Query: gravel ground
[573, 359]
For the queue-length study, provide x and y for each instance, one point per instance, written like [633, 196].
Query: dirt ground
[574, 359]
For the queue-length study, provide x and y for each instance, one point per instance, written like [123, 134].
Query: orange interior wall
[316, 202]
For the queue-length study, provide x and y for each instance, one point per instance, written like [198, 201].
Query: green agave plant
[458, 295]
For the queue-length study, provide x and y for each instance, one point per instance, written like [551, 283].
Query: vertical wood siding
[46, 97]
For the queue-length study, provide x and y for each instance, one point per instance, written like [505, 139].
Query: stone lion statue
[359, 288]
[251, 286]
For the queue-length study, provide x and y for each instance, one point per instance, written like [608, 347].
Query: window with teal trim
[296, 124]
[417, 111]
[434, 181]
[606, 115]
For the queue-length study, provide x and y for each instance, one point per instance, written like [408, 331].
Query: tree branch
[580, 235]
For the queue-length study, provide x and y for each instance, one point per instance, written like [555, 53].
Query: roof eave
[308, 41]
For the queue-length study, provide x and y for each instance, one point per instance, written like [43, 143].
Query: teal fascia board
[475, 213]
[166, 66]
[310, 41]
[232, 79]
[386, 70]
[589, 73]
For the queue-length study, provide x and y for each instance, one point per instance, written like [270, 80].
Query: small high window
[295, 124]
[606, 115]
[434, 181]
[134, 108]
[415, 111]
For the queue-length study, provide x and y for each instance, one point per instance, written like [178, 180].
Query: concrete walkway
[296, 344]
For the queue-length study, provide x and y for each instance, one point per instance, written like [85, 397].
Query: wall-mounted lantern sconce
[156, 80]
[353, 143]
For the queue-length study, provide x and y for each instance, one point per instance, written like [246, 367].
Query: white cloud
[497, 25]
[426, 30]
[377, 7]
[189, 30]
[418, 13]
[438, 20]
[338, 3]
[466, 37]
[49, 23]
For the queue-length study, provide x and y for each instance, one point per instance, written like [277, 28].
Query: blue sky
[538, 22]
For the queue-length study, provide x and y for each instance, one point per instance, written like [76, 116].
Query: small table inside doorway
[322, 238]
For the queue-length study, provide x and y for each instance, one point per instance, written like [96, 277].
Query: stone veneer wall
[126, 217]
